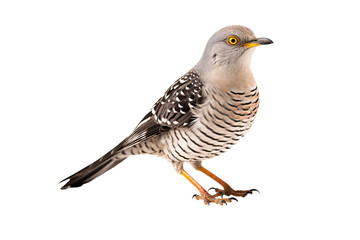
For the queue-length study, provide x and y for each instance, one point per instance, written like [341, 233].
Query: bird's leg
[228, 191]
[204, 195]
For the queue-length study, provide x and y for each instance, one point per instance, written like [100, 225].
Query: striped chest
[223, 119]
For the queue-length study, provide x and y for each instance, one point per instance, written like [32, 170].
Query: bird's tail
[91, 172]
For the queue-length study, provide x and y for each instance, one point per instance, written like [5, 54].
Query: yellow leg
[213, 176]
[193, 182]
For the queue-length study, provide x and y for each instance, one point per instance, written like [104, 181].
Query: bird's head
[230, 48]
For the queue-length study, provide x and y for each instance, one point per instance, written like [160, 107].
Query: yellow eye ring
[232, 40]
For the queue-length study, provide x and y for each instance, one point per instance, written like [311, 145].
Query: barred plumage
[220, 122]
[200, 116]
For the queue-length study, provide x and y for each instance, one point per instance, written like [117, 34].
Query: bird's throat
[239, 78]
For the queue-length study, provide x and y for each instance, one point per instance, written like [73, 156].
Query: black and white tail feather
[175, 109]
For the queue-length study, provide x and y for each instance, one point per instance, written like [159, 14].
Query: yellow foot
[208, 198]
[232, 192]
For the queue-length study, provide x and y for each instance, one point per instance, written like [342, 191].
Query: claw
[254, 190]
[223, 201]
[212, 188]
[194, 196]
[208, 202]
[232, 198]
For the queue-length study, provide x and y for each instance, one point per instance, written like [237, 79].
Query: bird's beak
[257, 42]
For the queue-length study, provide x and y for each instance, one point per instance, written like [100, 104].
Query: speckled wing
[175, 109]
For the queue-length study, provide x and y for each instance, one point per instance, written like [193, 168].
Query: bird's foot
[232, 192]
[208, 198]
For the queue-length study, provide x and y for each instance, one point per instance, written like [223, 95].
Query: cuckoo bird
[200, 116]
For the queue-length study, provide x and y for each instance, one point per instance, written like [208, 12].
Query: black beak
[264, 41]
[258, 42]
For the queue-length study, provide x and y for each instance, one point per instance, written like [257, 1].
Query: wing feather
[175, 109]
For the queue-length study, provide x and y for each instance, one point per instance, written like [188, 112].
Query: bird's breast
[220, 122]
[226, 117]
[234, 105]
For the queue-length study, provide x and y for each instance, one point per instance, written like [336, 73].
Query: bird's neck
[241, 80]
[237, 77]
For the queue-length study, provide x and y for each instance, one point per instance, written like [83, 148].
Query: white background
[77, 76]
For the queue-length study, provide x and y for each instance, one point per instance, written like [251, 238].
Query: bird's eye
[232, 40]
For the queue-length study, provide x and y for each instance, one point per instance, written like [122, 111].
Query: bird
[200, 116]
